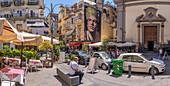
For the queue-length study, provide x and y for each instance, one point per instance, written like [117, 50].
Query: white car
[103, 59]
[141, 63]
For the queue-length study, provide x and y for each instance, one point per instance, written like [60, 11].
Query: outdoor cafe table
[18, 74]
[13, 60]
[33, 62]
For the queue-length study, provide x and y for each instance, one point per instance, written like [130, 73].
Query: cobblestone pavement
[48, 77]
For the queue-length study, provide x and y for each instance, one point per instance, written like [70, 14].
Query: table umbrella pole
[21, 53]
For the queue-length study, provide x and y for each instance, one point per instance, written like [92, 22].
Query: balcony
[19, 16]
[19, 3]
[5, 4]
[33, 3]
[33, 16]
[7, 16]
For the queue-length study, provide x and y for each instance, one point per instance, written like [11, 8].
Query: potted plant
[8, 51]
[56, 52]
[16, 53]
[67, 58]
[72, 58]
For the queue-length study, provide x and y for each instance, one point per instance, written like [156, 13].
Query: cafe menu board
[92, 64]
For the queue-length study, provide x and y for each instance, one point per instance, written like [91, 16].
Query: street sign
[52, 27]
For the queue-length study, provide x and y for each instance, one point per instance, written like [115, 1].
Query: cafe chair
[5, 80]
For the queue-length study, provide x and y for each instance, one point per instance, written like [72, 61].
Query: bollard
[152, 71]
[129, 71]
[86, 61]
[109, 68]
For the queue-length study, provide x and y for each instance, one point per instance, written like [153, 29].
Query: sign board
[62, 57]
[92, 64]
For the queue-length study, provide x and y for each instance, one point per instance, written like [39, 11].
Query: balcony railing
[33, 16]
[5, 4]
[33, 2]
[18, 15]
[5, 16]
[19, 3]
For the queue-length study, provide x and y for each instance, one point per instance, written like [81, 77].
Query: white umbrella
[96, 44]
[49, 39]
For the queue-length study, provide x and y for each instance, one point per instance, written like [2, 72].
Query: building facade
[73, 21]
[143, 21]
[24, 15]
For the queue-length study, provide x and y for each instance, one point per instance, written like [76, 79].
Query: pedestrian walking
[160, 53]
[116, 53]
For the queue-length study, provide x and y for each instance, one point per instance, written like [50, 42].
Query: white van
[141, 63]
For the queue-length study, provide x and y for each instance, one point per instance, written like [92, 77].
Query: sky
[47, 3]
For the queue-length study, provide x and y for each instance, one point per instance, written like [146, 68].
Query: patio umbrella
[30, 39]
[8, 32]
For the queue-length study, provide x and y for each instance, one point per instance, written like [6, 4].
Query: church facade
[143, 21]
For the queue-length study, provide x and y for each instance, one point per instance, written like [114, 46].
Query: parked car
[82, 56]
[141, 63]
[103, 59]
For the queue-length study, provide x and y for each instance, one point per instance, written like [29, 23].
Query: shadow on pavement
[92, 73]
[115, 76]
[60, 80]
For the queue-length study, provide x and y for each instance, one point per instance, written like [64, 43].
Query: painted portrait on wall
[92, 24]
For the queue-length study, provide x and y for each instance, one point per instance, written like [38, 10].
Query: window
[32, 0]
[96, 55]
[80, 6]
[79, 31]
[127, 58]
[19, 27]
[137, 59]
[32, 13]
[19, 13]
[72, 20]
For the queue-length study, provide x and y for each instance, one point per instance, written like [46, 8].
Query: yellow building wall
[106, 29]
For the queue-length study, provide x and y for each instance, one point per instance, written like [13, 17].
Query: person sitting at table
[74, 69]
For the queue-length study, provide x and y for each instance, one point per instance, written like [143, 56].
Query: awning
[37, 23]
[75, 44]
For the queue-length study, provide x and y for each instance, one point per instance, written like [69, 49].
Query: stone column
[120, 19]
[162, 32]
[138, 32]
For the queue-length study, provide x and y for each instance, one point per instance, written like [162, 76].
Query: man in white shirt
[74, 69]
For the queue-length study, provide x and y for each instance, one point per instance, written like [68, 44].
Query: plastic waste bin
[118, 66]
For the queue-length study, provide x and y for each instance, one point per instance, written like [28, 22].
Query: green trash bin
[118, 66]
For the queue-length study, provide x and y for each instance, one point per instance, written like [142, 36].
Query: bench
[70, 80]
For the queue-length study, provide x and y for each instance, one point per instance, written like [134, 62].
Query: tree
[46, 46]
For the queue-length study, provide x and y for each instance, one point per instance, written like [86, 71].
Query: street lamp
[51, 12]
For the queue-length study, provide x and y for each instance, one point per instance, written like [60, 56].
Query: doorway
[150, 36]
[150, 45]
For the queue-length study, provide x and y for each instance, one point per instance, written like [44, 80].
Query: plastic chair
[5, 81]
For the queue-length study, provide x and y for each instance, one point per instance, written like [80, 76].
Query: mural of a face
[91, 23]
